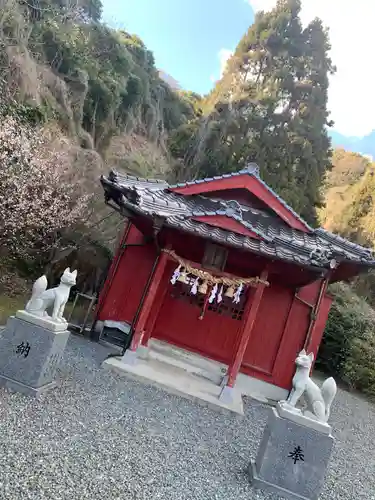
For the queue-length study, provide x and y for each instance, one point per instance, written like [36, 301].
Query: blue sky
[186, 37]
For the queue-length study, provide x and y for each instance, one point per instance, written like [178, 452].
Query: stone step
[189, 362]
[176, 381]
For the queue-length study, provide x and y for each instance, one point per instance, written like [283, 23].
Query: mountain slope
[169, 79]
[363, 145]
[349, 197]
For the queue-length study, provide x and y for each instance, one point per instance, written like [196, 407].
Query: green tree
[270, 107]
[104, 81]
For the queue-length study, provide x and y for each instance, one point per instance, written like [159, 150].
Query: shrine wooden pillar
[316, 311]
[152, 317]
[250, 315]
[151, 294]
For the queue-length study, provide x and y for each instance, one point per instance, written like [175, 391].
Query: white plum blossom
[39, 193]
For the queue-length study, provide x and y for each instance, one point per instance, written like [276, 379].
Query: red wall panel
[129, 281]
[279, 331]
[310, 292]
[292, 342]
[295, 332]
[268, 330]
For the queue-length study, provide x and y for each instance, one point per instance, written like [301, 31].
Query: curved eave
[127, 198]
[211, 234]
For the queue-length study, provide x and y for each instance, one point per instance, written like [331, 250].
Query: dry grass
[9, 305]
[137, 155]
[79, 312]
[337, 199]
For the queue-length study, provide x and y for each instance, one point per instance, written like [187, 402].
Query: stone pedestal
[29, 356]
[292, 458]
[45, 322]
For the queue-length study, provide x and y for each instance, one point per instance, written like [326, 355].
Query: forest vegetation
[93, 97]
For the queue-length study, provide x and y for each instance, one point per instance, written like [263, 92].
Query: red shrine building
[222, 267]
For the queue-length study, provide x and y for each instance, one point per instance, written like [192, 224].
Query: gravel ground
[100, 436]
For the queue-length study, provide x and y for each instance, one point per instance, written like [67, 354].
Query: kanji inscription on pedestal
[52, 365]
[297, 455]
[23, 349]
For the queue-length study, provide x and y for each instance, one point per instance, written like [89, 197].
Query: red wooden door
[213, 336]
[264, 344]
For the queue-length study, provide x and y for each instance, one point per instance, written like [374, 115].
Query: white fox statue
[55, 298]
[318, 400]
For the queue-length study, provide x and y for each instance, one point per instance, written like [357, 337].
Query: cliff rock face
[169, 79]
[98, 97]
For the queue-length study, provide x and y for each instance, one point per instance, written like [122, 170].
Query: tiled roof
[251, 169]
[139, 182]
[315, 248]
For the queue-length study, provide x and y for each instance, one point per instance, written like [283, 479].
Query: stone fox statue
[318, 400]
[55, 298]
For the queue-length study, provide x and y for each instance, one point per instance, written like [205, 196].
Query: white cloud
[224, 55]
[369, 157]
[351, 24]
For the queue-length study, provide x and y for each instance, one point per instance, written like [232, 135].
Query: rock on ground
[100, 436]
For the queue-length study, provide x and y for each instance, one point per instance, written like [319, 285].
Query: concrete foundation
[190, 375]
[130, 357]
[43, 321]
[295, 415]
[227, 394]
[14, 386]
[175, 381]
[211, 370]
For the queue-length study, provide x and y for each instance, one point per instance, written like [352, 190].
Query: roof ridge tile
[273, 231]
